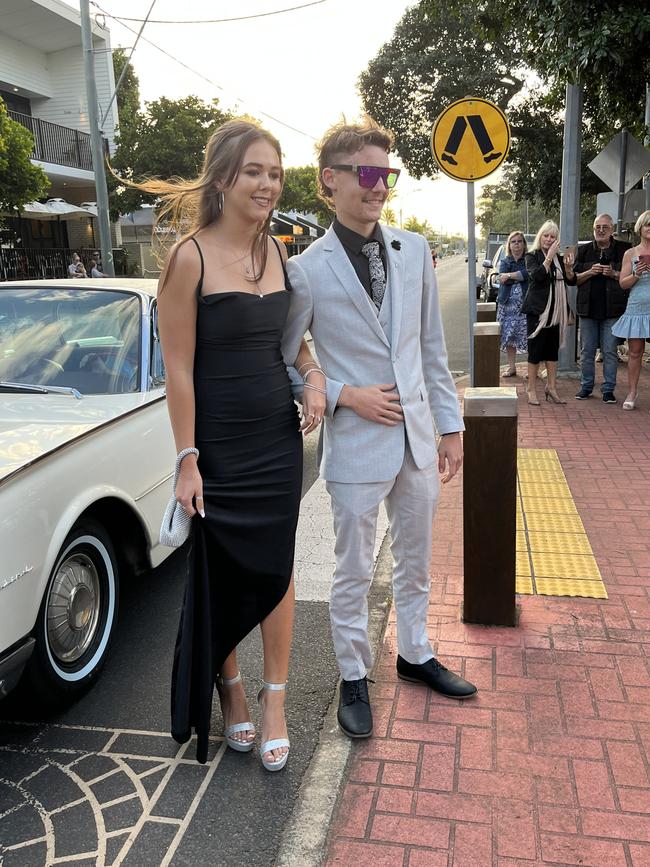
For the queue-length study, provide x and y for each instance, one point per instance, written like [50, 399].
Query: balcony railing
[57, 144]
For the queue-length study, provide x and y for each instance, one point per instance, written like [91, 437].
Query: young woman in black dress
[223, 302]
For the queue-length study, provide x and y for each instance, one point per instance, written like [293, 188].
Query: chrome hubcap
[73, 608]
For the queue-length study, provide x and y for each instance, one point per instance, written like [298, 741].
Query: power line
[201, 75]
[223, 20]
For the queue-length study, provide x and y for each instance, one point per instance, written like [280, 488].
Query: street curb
[304, 840]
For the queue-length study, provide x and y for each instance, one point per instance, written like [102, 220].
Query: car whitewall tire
[78, 614]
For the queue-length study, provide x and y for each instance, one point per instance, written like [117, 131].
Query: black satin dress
[240, 555]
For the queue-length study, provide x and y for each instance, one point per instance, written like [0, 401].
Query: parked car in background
[86, 455]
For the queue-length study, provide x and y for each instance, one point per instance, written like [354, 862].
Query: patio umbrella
[56, 209]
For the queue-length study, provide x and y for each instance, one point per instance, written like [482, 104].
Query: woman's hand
[189, 487]
[314, 402]
[569, 259]
[553, 249]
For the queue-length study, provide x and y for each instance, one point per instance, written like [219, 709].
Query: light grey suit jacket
[352, 348]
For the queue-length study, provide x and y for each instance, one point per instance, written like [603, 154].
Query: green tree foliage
[499, 211]
[422, 227]
[300, 193]
[20, 181]
[520, 55]
[128, 103]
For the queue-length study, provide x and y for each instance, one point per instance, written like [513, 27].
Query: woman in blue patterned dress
[513, 278]
[634, 324]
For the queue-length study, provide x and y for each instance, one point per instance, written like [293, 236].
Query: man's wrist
[346, 396]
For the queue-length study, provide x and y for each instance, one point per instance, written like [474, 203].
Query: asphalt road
[454, 305]
[104, 780]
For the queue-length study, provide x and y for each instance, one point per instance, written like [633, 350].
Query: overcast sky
[300, 67]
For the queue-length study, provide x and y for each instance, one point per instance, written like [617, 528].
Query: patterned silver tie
[377, 274]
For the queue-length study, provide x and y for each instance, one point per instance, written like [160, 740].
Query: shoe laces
[357, 690]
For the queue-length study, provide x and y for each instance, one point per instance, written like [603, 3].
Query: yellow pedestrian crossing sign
[470, 139]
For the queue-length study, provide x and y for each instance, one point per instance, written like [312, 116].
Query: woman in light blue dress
[634, 324]
[513, 283]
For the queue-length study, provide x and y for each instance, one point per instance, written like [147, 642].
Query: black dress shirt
[352, 244]
[601, 297]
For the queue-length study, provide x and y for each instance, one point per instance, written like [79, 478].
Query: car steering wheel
[44, 366]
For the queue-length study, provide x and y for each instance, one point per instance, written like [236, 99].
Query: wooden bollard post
[487, 341]
[486, 311]
[489, 506]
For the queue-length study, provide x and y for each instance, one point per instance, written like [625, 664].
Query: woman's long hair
[548, 226]
[188, 206]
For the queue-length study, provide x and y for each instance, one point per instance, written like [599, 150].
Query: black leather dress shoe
[436, 676]
[354, 713]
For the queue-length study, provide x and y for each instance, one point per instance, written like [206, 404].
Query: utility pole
[570, 208]
[96, 142]
[646, 142]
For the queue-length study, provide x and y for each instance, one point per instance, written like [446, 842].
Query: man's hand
[608, 271]
[378, 403]
[450, 452]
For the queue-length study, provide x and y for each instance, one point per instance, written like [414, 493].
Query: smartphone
[644, 259]
[570, 250]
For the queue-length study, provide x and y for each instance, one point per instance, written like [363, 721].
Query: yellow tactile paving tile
[550, 533]
[565, 565]
[544, 489]
[559, 543]
[541, 523]
[522, 563]
[570, 587]
[524, 585]
[549, 506]
[532, 478]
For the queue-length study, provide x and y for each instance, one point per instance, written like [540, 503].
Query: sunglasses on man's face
[369, 175]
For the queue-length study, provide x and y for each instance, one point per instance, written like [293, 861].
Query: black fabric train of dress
[240, 556]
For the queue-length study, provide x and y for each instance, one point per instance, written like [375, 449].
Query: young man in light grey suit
[368, 295]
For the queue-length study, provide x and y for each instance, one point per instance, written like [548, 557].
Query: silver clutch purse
[176, 523]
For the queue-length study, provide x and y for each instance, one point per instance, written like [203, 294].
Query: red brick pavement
[550, 764]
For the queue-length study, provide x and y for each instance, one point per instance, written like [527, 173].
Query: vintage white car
[86, 455]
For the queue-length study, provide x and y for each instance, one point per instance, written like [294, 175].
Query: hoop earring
[220, 200]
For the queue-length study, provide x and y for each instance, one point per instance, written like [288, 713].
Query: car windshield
[83, 339]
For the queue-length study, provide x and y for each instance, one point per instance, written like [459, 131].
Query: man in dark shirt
[600, 302]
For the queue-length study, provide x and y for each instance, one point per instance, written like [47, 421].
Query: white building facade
[43, 86]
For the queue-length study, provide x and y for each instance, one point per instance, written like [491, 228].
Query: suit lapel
[395, 263]
[338, 261]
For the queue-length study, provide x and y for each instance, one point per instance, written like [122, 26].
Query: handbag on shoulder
[176, 523]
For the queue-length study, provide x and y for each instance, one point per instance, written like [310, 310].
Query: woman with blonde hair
[634, 324]
[223, 302]
[546, 308]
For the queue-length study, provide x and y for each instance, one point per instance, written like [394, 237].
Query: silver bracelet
[184, 453]
[315, 388]
[305, 365]
[313, 370]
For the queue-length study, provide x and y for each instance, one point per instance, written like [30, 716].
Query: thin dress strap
[199, 285]
[287, 284]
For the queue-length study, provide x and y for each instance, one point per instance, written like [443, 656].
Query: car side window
[157, 362]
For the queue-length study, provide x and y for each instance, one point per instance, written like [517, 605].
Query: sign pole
[471, 273]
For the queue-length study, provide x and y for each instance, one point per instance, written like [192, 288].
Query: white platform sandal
[229, 731]
[276, 743]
